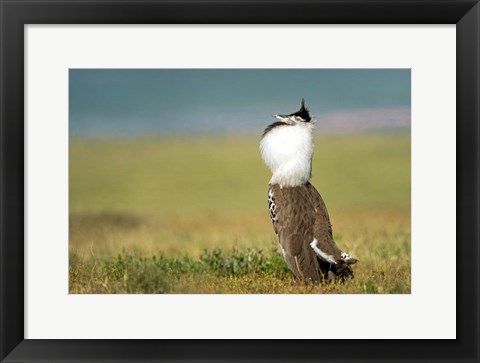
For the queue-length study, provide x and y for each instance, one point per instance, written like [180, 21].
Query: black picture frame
[15, 14]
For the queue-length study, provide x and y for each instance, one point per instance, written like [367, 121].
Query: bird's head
[302, 115]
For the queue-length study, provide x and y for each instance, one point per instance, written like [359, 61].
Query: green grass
[190, 215]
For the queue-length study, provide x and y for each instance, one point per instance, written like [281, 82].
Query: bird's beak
[282, 118]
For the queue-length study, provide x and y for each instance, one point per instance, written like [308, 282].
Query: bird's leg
[298, 269]
[330, 275]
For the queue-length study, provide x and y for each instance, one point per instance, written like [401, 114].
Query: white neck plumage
[288, 151]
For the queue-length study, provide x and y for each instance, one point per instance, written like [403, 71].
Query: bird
[299, 216]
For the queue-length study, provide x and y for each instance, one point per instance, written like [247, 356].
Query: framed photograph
[239, 181]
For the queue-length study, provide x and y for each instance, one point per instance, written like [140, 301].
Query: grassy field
[190, 215]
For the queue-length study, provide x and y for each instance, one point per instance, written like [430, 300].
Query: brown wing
[326, 248]
[322, 228]
[293, 221]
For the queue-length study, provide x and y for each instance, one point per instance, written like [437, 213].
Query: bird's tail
[340, 271]
[343, 271]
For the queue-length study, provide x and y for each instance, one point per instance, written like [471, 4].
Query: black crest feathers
[302, 112]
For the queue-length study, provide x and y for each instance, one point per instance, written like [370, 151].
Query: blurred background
[166, 161]
[133, 103]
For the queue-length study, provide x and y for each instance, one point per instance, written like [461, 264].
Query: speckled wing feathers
[322, 226]
[293, 221]
[300, 218]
